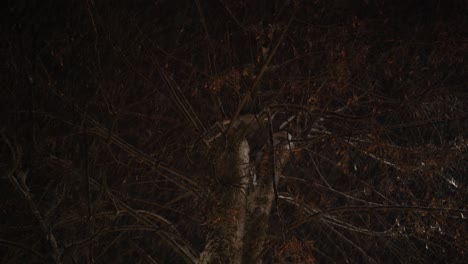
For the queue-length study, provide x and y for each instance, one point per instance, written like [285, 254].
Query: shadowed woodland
[234, 131]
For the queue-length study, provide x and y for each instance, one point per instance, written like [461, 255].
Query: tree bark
[227, 222]
[238, 222]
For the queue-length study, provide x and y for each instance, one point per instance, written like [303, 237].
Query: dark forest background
[104, 105]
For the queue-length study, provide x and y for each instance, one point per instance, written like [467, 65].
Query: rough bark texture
[261, 197]
[241, 212]
[227, 222]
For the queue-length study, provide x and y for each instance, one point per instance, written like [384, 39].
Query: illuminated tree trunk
[227, 220]
[239, 218]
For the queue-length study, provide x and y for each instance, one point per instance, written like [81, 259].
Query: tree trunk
[239, 218]
[227, 221]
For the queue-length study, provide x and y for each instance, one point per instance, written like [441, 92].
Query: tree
[234, 132]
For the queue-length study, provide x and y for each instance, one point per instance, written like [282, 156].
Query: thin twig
[24, 190]
[259, 77]
[21, 246]
[100, 130]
